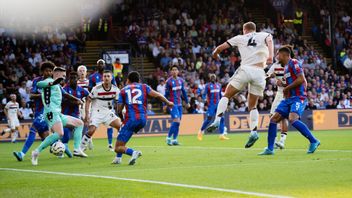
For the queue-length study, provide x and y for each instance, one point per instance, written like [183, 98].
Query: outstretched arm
[219, 49]
[270, 43]
[160, 97]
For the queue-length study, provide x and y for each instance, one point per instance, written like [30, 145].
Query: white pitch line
[244, 149]
[148, 181]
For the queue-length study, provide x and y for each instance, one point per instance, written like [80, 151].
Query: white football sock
[283, 138]
[222, 106]
[254, 116]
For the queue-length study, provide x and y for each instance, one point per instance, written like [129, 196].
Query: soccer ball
[58, 148]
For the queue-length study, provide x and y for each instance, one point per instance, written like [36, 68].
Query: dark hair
[133, 76]
[174, 66]
[290, 47]
[285, 49]
[47, 64]
[73, 73]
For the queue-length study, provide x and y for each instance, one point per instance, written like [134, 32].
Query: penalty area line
[146, 181]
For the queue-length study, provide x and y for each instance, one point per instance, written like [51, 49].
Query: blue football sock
[222, 125]
[29, 141]
[66, 137]
[119, 155]
[272, 135]
[171, 130]
[129, 151]
[177, 128]
[205, 124]
[110, 131]
[301, 127]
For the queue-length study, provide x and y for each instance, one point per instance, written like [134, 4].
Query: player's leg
[222, 130]
[87, 138]
[284, 128]
[177, 127]
[253, 119]
[109, 133]
[205, 124]
[77, 125]
[124, 136]
[296, 111]
[174, 125]
[39, 125]
[14, 134]
[256, 89]
[282, 112]
[231, 90]
[55, 123]
[65, 139]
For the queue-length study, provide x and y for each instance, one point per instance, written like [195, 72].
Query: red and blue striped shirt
[134, 97]
[175, 91]
[292, 70]
[72, 109]
[38, 109]
[212, 92]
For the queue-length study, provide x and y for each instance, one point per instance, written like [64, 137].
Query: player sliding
[102, 98]
[52, 98]
[293, 105]
[256, 50]
[212, 92]
[175, 92]
[133, 97]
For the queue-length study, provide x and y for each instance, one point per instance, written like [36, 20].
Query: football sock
[48, 141]
[129, 151]
[66, 137]
[301, 127]
[283, 137]
[77, 137]
[222, 126]
[119, 155]
[254, 116]
[29, 141]
[109, 132]
[171, 130]
[205, 124]
[176, 130]
[222, 106]
[272, 135]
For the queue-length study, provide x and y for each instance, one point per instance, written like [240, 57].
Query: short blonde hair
[82, 66]
[250, 26]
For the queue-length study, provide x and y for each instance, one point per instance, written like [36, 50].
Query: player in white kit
[256, 50]
[84, 83]
[12, 113]
[101, 99]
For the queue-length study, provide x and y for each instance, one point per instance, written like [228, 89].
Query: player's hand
[188, 106]
[269, 61]
[215, 55]
[57, 81]
[79, 102]
[170, 105]
[280, 83]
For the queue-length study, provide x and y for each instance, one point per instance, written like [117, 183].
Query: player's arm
[49, 82]
[6, 112]
[270, 43]
[119, 110]
[34, 92]
[270, 73]
[299, 80]
[71, 98]
[87, 110]
[19, 114]
[219, 49]
[160, 97]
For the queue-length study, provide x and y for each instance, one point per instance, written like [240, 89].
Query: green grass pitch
[211, 163]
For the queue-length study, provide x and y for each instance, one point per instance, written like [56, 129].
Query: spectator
[150, 110]
[161, 86]
[26, 110]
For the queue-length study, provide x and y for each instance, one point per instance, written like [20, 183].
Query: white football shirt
[279, 72]
[104, 99]
[252, 47]
[12, 108]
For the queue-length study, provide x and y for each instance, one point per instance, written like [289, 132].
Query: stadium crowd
[181, 33]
